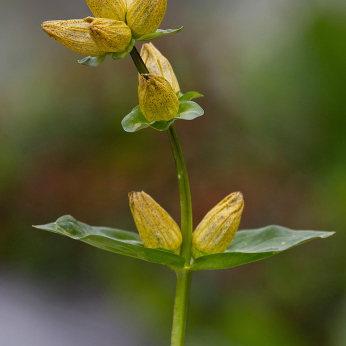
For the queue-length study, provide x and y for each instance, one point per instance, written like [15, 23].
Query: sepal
[93, 61]
[158, 33]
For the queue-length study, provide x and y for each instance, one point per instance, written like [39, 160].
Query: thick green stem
[141, 68]
[181, 305]
[184, 275]
[185, 195]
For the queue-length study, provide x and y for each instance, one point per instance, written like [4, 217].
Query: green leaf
[93, 61]
[135, 121]
[254, 245]
[190, 96]
[113, 240]
[189, 110]
[158, 33]
[126, 52]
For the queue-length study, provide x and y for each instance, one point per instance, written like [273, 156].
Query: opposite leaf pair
[213, 235]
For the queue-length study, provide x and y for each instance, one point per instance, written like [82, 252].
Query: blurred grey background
[274, 78]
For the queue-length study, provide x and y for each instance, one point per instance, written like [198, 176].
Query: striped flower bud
[157, 98]
[156, 227]
[145, 16]
[218, 228]
[73, 34]
[112, 9]
[159, 65]
[110, 35]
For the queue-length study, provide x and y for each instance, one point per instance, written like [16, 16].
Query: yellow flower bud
[145, 16]
[111, 9]
[159, 65]
[110, 35]
[156, 227]
[74, 34]
[157, 98]
[218, 228]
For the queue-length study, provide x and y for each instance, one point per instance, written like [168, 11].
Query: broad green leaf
[126, 52]
[113, 240]
[158, 33]
[190, 96]
[254, 245]
[93, 61]
[135, 121]
[189, 110]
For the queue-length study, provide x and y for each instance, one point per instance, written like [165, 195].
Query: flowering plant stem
[183, 275]
[181, 305]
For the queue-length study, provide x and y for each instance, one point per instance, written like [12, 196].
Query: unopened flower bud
[73, 34]
[218, 228]
[112, 9]
[159, 65]
[145, 16]
[157, 98]
[156, 227]
[110, 35]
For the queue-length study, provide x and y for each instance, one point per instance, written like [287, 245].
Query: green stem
[184, 275]
[138, 61]
[181, 305]
[185, 195]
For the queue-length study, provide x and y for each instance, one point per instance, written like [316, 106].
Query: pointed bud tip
[134, 194]
[239, 195]
[45, 26]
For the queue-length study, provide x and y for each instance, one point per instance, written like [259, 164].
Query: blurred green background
[274, 78]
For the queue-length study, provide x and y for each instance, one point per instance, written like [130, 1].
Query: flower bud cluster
[114, 25]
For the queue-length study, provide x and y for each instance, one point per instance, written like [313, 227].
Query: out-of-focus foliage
[273, 73]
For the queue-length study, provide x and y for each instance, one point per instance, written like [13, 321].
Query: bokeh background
[273, 73]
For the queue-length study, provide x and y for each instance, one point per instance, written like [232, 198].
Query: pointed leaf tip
[254, 245]
[113, 240]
